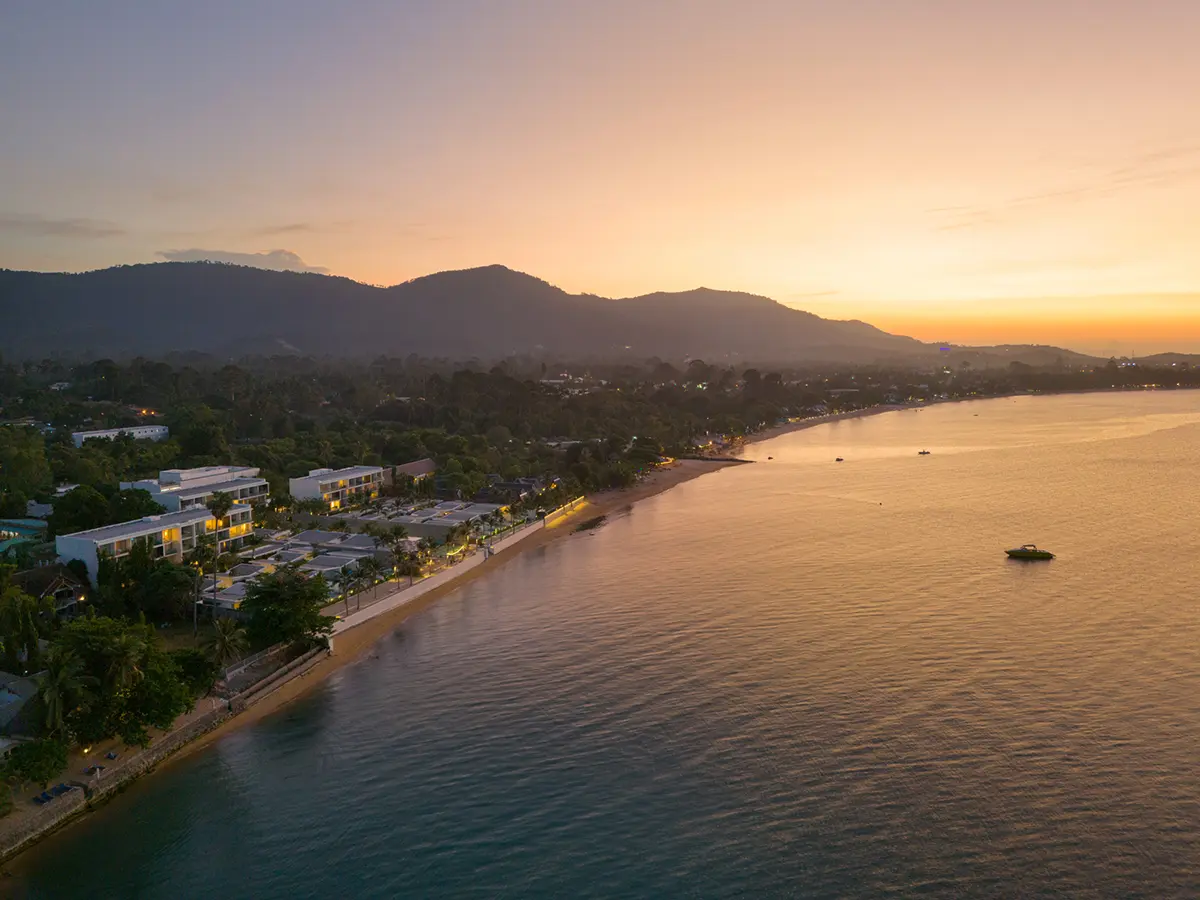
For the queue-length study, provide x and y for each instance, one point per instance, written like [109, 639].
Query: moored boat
[1029, 551]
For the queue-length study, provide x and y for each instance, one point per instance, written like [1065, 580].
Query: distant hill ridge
[489, 312]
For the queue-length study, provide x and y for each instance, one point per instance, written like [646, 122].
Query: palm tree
[345, 580]
[125, 666]
[370, 570]
[219, 506]
[227, 642]
[61, 686]
[407, 564]
[203, 556]
[20, 614]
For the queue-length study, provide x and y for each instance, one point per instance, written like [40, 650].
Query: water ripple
[785, 680]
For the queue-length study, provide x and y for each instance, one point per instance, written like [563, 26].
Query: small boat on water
[1029, 551]
[922, 453]
[839, 459]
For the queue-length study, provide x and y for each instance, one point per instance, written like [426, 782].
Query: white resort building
[338, 487]
[177, 489]
[137, 432]
[170, 536]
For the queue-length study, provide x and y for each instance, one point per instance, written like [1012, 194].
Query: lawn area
[179, 635]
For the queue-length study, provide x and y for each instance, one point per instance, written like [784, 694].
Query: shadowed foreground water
[791, 679]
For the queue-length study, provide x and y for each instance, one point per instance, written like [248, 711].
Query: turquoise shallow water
[791, 679]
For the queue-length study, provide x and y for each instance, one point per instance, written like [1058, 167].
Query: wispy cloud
[1160, 168]
[41, 226]
[276, 260]
[289, 228]
[1036, 266]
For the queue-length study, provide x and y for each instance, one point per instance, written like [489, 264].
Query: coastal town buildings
[177, 489]
[138, 432]
[338, 487]
[169, 536]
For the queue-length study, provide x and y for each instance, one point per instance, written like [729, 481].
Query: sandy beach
[350, 645]
[812, 422]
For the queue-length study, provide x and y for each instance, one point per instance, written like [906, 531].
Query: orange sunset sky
[979, 172]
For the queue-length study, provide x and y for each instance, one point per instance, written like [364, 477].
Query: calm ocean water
[791, 679]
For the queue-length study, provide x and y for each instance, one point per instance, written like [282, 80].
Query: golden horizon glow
[978, 172]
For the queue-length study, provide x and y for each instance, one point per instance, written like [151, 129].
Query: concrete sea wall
[19, 832]
[22, 829]
[407, 594]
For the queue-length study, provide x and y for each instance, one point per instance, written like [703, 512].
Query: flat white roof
[178, 476]
[221, 486]
[128, 428]
[348, 472]
[149, 524]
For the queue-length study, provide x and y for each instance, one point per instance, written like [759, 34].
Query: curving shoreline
[350, 645]
[201, 728]
[813, 421]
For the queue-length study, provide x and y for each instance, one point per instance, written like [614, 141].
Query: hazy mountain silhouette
[488, 312]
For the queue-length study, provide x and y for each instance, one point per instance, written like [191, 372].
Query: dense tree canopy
[140, 685]
[39, 761]
[139, 584]
[286, 606]
[290, 415]
[24, 619]
[86, 507]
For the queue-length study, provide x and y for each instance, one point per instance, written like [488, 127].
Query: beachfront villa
[437, 521]
[177, 489]
[169, 536]
[338, 487]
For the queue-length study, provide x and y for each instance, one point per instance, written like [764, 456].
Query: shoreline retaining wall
[30, 829]
[26, 830]
[23, 832]
[564, 510]
[407, 594]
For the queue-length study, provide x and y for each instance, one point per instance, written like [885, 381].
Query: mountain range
[158, 309]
